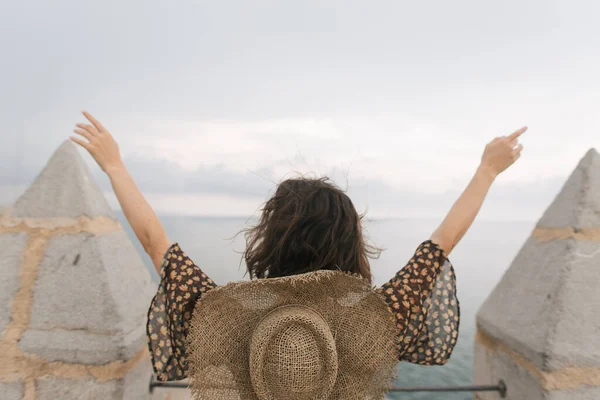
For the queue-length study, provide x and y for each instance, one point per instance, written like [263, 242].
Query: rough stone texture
[94, 310]
[91, 293]
[578, 203]
[545, 307]
[52, 388]
[133, 386]
[11, 391]
[136, 384]
[522, 307]
[82, 346]
[11, 250]
[491, 367]
[575, 339]
[588, 393]
[64, 188]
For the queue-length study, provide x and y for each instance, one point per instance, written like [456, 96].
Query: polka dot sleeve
[422, 296]
[182, 283]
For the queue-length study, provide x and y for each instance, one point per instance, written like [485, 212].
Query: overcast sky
[214, 102]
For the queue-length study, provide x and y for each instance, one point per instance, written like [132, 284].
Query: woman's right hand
[143, 220]
[502, 152]
[100, 143]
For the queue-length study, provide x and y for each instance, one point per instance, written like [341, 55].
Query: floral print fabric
[182, 283]
[422, 296]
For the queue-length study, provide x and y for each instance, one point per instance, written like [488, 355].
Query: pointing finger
[94, 121]
[517, 133]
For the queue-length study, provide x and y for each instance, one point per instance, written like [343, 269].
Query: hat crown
[292, 353]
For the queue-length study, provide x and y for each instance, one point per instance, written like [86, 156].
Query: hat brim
[218, 341]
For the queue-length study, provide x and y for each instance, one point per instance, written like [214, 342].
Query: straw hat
[321, 335]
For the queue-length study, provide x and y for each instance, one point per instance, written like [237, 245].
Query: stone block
[523, 306]
[90, 300]
[578, 203]
[575, 338]
[545, 306]
[108, 290]
[11, 391]
[582, 393]
[53, 388]
[12, 246]
[73, 292]
[490, 367]
[83, 347]
[64, 188]
[136, 384]
[129, 281]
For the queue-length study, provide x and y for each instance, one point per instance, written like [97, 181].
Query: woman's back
[307, 229]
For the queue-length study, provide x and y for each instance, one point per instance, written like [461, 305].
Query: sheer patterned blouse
[422, 297]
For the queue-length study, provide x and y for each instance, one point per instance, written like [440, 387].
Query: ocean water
[480, 259]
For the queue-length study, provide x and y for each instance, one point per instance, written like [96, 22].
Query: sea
[480, 260]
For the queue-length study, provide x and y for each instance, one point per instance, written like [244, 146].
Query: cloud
[219, 195]
[222, 191]
[224, 99]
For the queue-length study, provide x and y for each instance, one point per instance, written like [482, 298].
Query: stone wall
[74, 294]
[539, 330]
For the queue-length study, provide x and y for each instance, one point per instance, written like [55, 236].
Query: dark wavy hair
[309, 224]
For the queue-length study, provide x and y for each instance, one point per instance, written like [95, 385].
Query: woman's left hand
[100, 143]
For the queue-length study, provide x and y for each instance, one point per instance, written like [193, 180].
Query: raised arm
[144, 222]
[499, 154]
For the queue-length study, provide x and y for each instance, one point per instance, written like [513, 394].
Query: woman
[308, 225]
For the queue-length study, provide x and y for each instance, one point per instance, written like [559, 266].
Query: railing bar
[445, 389]
[169, 384]
[501, 387]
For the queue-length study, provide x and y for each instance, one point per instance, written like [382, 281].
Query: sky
[213, 103]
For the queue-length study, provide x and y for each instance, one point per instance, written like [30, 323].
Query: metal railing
[500, 387]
